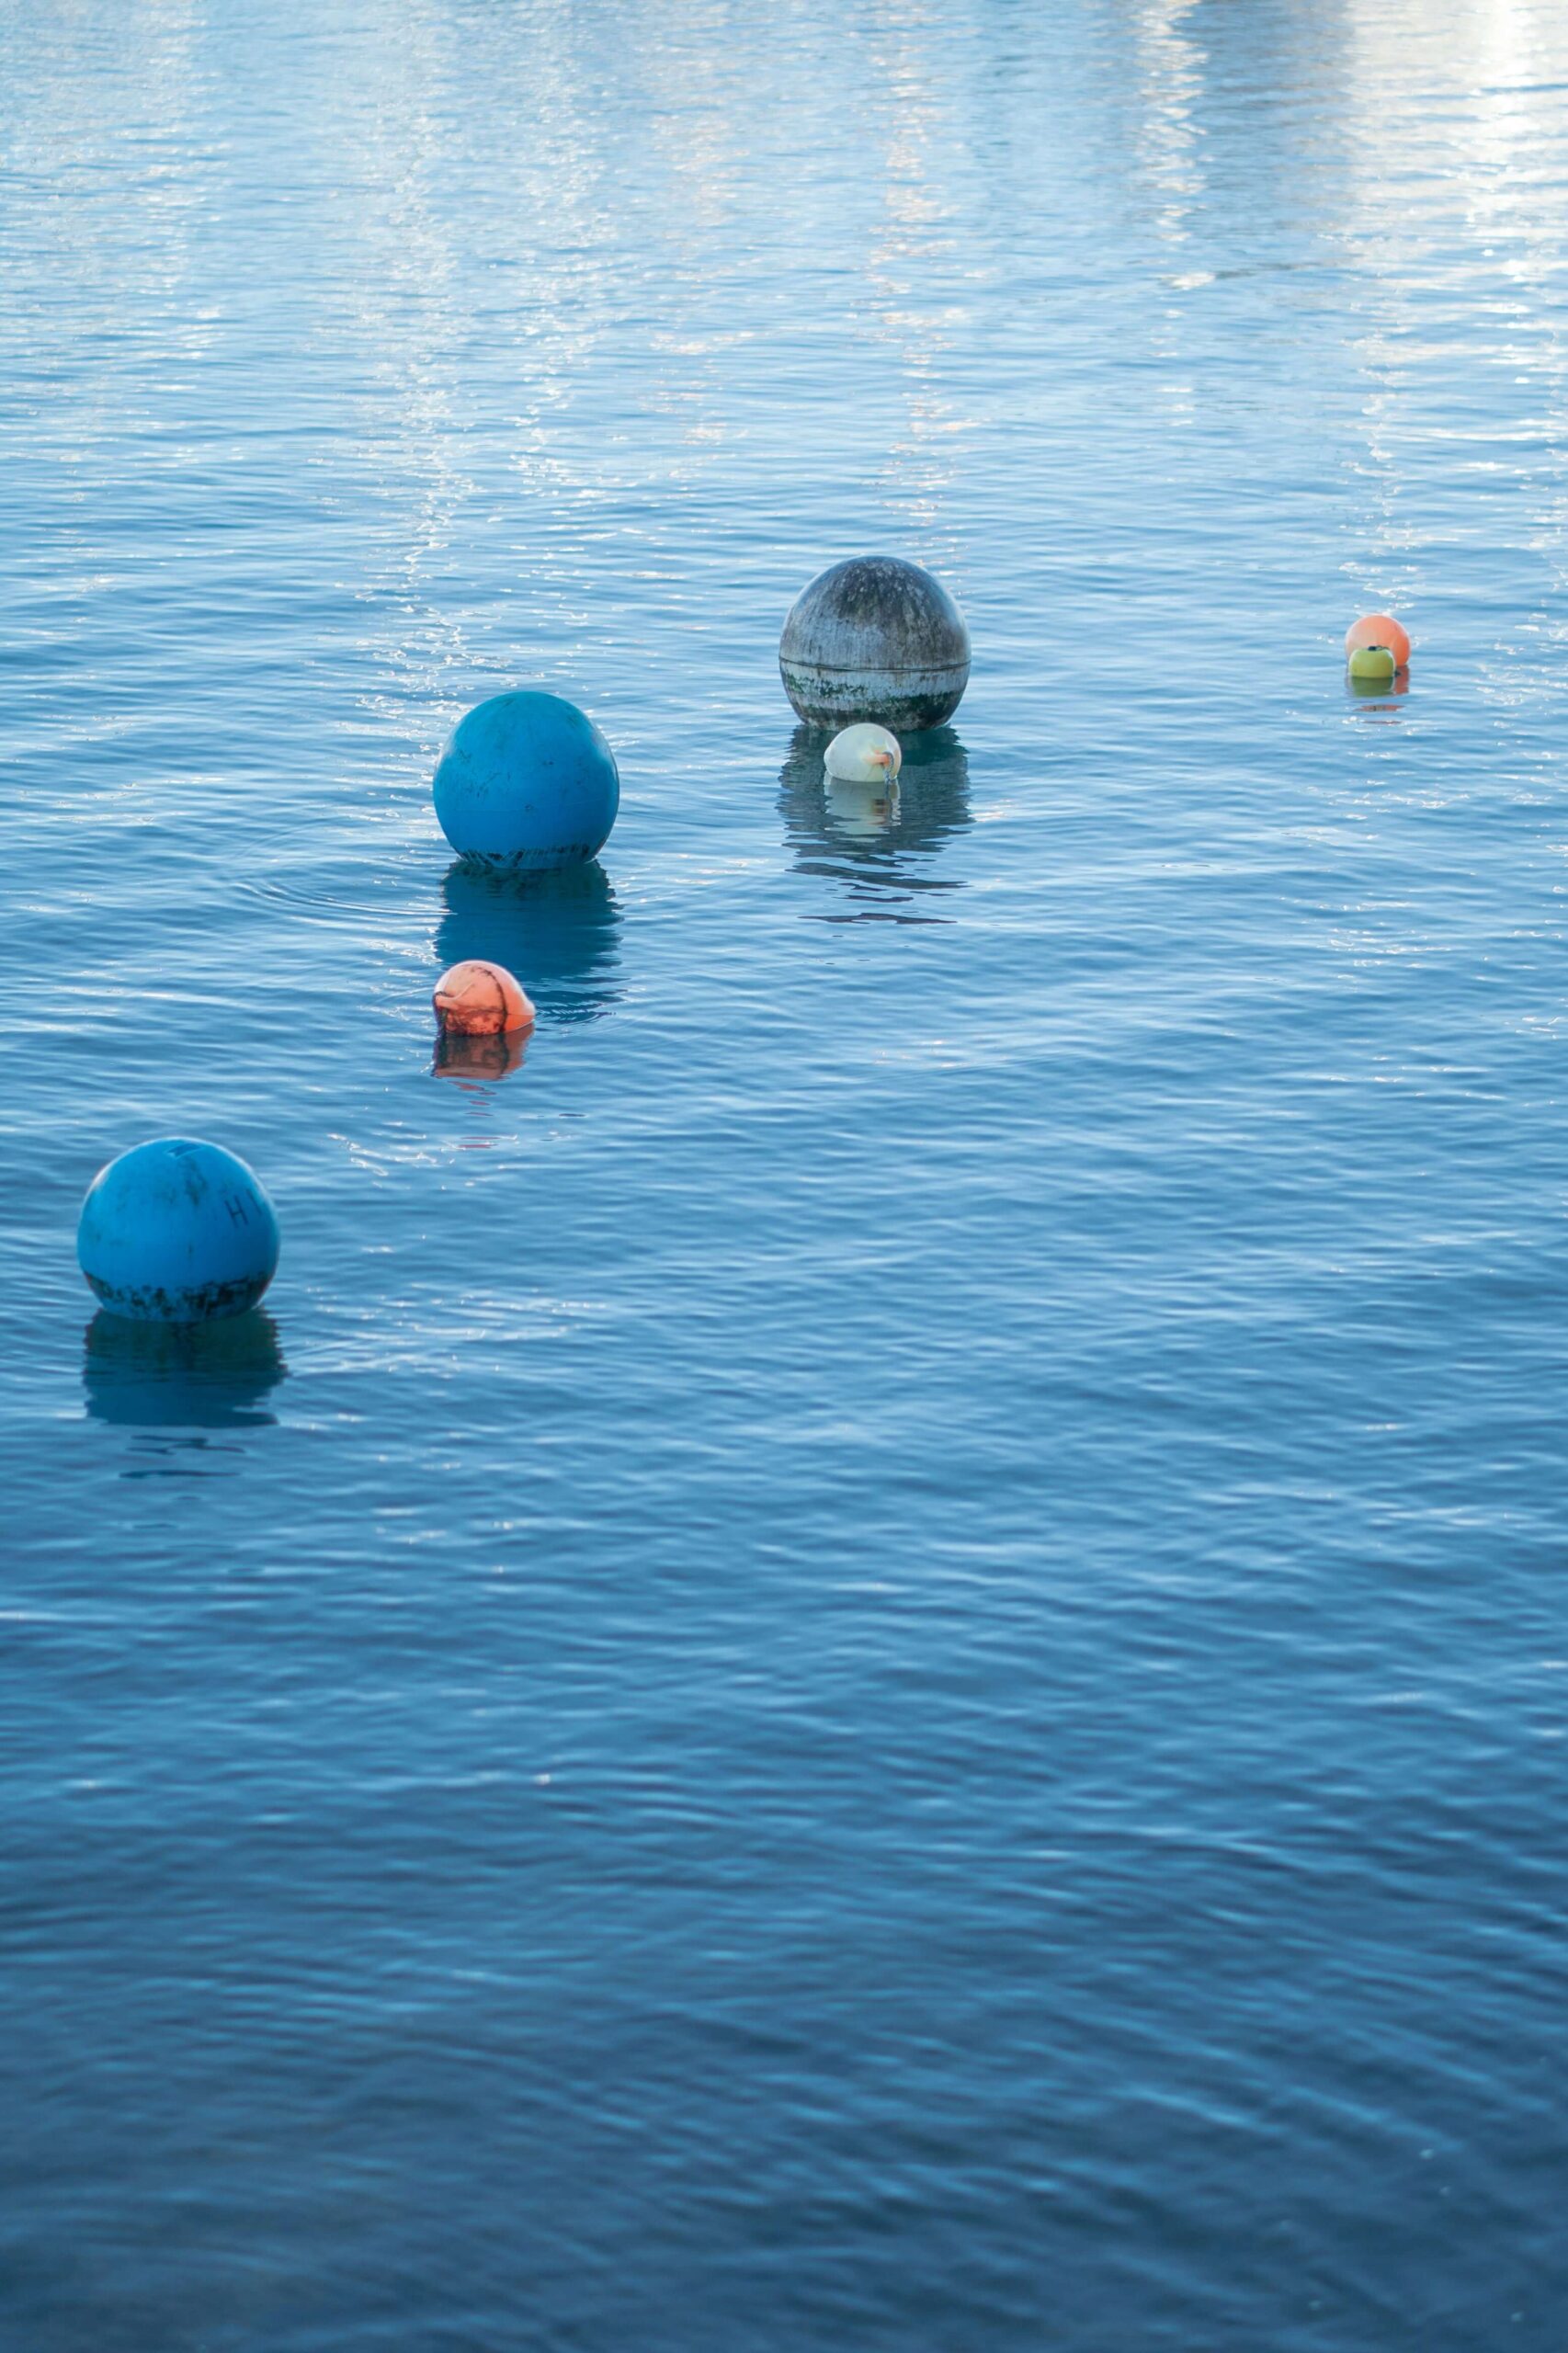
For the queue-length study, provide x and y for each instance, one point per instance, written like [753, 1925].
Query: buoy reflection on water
[182, 1376]
[461, 1056]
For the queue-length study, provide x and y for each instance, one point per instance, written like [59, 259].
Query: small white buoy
[864, 755]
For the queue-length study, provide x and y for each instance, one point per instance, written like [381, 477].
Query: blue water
[874, 1658]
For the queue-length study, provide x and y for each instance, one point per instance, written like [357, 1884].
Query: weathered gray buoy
[875, 638]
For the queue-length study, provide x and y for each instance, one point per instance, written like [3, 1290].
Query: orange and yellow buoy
[1378, 628]
[1372, 665]
[480, 1000]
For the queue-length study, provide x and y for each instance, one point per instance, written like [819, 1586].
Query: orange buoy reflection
[477, 999]
[497, 1056]
[1378, 628]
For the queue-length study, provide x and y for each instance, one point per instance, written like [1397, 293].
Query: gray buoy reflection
[878, 839]
[182, 1376]
[558, 933]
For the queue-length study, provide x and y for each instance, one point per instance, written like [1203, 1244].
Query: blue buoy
[527, 782]
[178, 1232]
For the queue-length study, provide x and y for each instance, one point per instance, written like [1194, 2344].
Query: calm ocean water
[876, 1658]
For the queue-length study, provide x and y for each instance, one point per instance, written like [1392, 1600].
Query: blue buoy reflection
[559, 933]
[182, 1376]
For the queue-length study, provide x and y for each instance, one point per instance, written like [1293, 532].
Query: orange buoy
[481, 1000]
[1378, 628]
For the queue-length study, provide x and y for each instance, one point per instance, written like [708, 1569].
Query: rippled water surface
[874, 1657]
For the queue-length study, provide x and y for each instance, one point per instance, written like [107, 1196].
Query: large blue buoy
[526, 783]
[178, 1232]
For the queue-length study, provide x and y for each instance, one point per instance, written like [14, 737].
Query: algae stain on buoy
[875, 638]
[177, 1232]
[527, 783]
